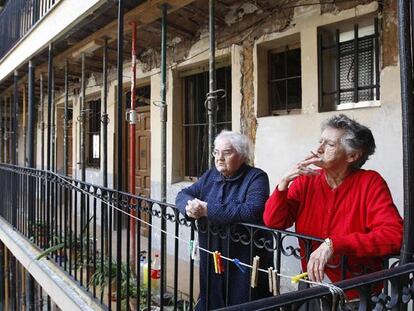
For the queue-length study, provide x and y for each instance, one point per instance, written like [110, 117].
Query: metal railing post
[163, 107]
[31, 163]
[406, 66]
[212, 100]
[49, 105]
[120, 62]
[65, 123]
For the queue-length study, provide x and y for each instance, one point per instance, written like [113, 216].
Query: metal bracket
[131, 116]
[220, 93]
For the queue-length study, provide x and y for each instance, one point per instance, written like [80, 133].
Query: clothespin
[191, 247]
[275, 281]
[296, 278]
[255, 271]
[215, 262]
[239, 265]
[220, 263]
[194, 250]
[270, 275]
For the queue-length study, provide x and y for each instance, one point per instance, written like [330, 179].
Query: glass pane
[143, 96]
[277, 66]
[346, 65]
[294, 93]
[278, 95]
[293, 63]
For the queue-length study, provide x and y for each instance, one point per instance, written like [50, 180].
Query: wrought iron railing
[401, 290]
[76, 224]
[17, 18]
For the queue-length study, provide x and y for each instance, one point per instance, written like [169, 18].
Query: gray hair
[239, 142]
[357, 137]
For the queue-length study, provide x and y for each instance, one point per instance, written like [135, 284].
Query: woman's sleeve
[282, 206]
[189, 193]
[251, 210]
[384, 226]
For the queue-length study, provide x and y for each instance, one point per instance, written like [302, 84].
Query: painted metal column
[13, 278]
[42, 123]
[163, 107]
[82, 121]
[49, 106]
[14, 117]
[211, 97]
[53, 126]
[120, 65]
[2, 278]
[406, 66]
[2, 133]
[31, 163]
[65, 123]
[132, 120]
[104, 120]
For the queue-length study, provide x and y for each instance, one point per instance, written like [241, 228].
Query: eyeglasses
[225, 153]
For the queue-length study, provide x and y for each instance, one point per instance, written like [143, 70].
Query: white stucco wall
[293, 136]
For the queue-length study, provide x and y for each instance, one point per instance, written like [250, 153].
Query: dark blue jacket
[230, 200]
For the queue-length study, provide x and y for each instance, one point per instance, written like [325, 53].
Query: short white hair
[241, 143]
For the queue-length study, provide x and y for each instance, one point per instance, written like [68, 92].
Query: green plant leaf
[50, 250]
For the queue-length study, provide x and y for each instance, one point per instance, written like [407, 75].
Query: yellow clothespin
[255, 271]
[270, 272]
[215, 262]
[297, 278]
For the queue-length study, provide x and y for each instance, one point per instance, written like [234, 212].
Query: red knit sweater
[359, 216]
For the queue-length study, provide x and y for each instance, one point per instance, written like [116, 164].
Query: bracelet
[328, 242]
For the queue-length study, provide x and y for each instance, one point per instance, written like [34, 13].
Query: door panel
[143, 158]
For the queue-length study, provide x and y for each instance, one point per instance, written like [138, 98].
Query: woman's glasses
[225, 153]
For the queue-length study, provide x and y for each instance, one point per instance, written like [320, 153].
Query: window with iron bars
[348, 61]
[93, 134]
[285, 81]
[195, 118]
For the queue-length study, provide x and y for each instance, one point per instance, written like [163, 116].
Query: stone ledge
[65, 292]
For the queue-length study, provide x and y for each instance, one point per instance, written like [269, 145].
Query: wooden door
[143, 158]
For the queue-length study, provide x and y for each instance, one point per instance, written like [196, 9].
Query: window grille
[195, 118]
[285, 81]
[348, 69]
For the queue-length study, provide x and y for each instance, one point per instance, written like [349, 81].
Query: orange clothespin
[220, 263]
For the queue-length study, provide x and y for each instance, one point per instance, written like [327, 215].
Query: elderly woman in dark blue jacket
[231, 192]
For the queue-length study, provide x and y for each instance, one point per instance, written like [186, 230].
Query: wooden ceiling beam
[144, 14]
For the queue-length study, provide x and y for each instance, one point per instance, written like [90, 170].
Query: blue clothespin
[239, 265]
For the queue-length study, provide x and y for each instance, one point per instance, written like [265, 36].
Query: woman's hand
[300, 168]
[317, 262]
[196, 208]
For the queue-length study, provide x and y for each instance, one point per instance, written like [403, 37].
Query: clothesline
[296, 278]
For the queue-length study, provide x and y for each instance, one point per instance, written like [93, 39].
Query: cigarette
[316, 155]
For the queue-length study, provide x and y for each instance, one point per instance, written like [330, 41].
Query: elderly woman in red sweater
[351, 208]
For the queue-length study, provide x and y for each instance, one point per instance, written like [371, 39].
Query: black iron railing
[17, 18]
[75, 224]
[401, 293]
